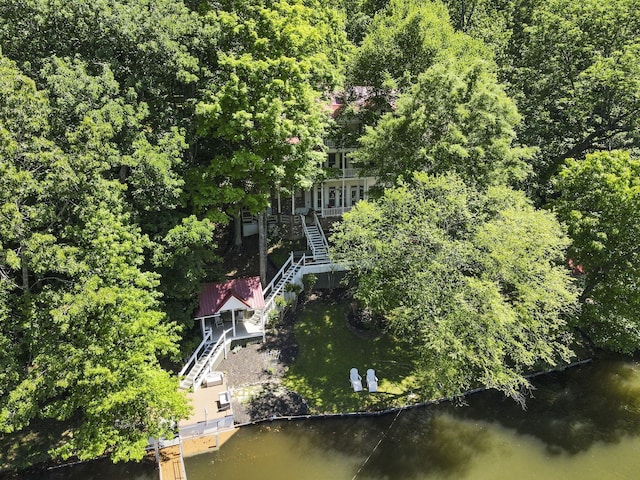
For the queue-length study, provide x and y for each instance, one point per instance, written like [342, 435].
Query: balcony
[333, 172]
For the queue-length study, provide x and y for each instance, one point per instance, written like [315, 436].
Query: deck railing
[194, 358]
[201, 370]
[334, 211]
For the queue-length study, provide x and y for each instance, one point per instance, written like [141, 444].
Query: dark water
[581, 424]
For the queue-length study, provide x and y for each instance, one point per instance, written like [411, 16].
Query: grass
[329, 348]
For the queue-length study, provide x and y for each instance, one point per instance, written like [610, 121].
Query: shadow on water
[102, 469]
[427, 443]
[569, 413]
[416, 443]
[572, 410]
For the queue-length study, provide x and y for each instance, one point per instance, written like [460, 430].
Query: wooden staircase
[316, 239]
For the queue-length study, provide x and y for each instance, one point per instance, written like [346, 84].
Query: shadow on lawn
[329, 349]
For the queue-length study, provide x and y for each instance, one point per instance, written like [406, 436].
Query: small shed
[243, 296]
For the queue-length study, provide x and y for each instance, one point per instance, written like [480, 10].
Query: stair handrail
[269, 303]
[321, 230]
[267, 290]
[196, 352]
[306, 235]
[199, 369]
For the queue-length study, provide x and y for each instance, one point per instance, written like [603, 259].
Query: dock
[208, 428]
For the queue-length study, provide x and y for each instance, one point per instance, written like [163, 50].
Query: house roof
[359, 97]
[214, 296]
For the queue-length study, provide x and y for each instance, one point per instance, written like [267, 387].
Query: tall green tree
[404, 40]
[154, 47]
[458, 118]
[573, 68]
[599, 199]
[475, 280]
[79, 310]
[135, 69]
[260, 113]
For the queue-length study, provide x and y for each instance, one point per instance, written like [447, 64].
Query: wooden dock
[171, 464]
[210, 426]
[171, 461]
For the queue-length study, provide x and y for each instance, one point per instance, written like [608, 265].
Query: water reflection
[573, 410]
[99, 470]
[583, 423]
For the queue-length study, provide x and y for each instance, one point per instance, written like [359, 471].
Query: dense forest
[503, 135]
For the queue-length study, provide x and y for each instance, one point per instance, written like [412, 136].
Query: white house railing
[215, 351]
[334, 211]
[194, 358]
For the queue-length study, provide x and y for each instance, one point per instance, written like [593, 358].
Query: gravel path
[254, 374]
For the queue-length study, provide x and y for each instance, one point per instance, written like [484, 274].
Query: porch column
[293, 202]
[322, 200]
[279, 204]
[233, 321]
[202, 326]
[343, 203]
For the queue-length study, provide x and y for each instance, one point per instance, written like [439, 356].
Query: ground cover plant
[329, 347]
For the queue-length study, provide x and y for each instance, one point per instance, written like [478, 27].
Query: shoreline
[43, 467]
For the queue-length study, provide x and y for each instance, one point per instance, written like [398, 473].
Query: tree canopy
[599, 199]
[80, 313]
[476, 280]
[404, 40]
[455, 118]
[573, 68]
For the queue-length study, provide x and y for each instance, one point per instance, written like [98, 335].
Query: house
[342, 183]
[234, 302]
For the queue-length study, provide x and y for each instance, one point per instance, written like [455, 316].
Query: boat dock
[210, 426]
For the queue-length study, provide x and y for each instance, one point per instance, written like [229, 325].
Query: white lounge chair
[356, 380]
[372, 380]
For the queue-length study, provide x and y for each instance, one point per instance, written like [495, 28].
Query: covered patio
[231, 308]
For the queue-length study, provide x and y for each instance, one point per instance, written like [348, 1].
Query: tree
[475, 280]
[261, 115]
[404, 40]
[260, 111]
[456, 118]
[599, 199]
[155, 48]
[80, 311]
[573, 68]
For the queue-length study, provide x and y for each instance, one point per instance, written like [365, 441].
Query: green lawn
[329, 348]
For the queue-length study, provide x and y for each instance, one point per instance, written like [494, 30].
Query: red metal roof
[214, 295]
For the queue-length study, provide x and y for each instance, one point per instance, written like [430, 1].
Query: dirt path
[254, 375]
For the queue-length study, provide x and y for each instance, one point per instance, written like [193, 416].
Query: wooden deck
[171, 459]
[210, 425]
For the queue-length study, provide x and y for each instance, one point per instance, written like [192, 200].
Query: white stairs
[197, 368]
[208, 351]
[316, 239]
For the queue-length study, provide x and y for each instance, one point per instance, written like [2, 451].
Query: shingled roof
[215, 295]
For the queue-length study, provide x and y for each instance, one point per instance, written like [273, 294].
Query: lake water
[581, 424]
